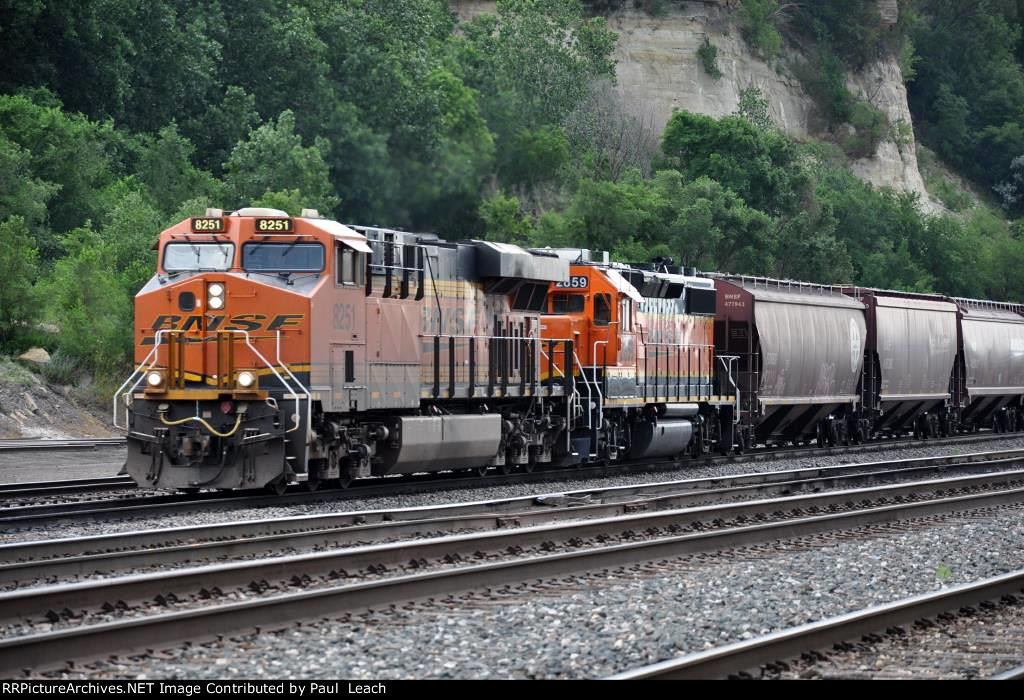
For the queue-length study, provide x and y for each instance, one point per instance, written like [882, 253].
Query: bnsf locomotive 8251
[273, 349]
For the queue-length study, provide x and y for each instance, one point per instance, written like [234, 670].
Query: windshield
[567, 303]
[183, 257]
[283, 257]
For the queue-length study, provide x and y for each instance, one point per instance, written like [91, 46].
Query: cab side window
[567, 303]
[349, 267]
[602, 309]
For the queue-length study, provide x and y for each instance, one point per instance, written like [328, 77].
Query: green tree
[91, 305]
[968, 94]
[66, 150]
[21, 194]
[274, 159]
[19, 262]
[165, 168]
[535, 155]
[536, 57]
[761, 166]
[852, 28]
[714, 229]
[504, 221]
[221, 125]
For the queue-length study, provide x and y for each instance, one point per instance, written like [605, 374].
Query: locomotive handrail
[277, 374]
[307, 392]
[122, 392]
[678, 346]
[727, 366]
[597, 386]
[590, 395]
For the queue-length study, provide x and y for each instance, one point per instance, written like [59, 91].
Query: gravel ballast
[125, 522]
[602, 623]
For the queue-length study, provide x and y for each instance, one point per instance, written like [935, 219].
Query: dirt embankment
[30, 408]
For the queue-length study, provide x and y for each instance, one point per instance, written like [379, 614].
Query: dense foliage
[119, 117]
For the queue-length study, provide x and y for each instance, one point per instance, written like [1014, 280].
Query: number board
[273, 226]
[207, 224]
[575, 282]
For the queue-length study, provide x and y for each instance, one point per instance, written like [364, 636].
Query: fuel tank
[663, 438]
[434, 443]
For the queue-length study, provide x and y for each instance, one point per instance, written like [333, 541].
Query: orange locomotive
[645, 359]
[274, 349]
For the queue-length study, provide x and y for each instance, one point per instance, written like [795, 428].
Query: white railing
[298, 391]
[141, 371]
[727, 365]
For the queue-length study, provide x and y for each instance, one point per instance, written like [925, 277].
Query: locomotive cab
[596, 309]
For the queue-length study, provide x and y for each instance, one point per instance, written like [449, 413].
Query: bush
[871, 127]
[824, 79]
[62, 369]
[757, 22]
[754, 108]
[708, 55]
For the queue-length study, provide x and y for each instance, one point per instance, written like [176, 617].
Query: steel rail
[750, 656]
[63, 558]
[85, 443]
[24, 603]
[387, 486]
[33, 488]
[1012, 674]
[46, 649]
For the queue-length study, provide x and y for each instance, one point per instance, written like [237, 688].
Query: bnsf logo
[240, 322]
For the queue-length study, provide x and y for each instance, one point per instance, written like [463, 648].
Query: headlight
[246, 380]
[154, 379]
[216, 289]
[216, 302]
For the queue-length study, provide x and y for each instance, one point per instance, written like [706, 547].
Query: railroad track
[82, 444]
[841, 644]
[164, 504]
[84, 556]
[29, 489]
[123, 614]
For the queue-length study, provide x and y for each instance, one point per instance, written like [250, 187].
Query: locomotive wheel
[529, 467]
[481, 471]
[505, 468]
[313, 482]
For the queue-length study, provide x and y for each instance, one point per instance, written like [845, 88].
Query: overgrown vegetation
[119, 118]
[968, 95]
[758, 20]
[708, 56]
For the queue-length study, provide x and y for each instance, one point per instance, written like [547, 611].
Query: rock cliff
[659, 71]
